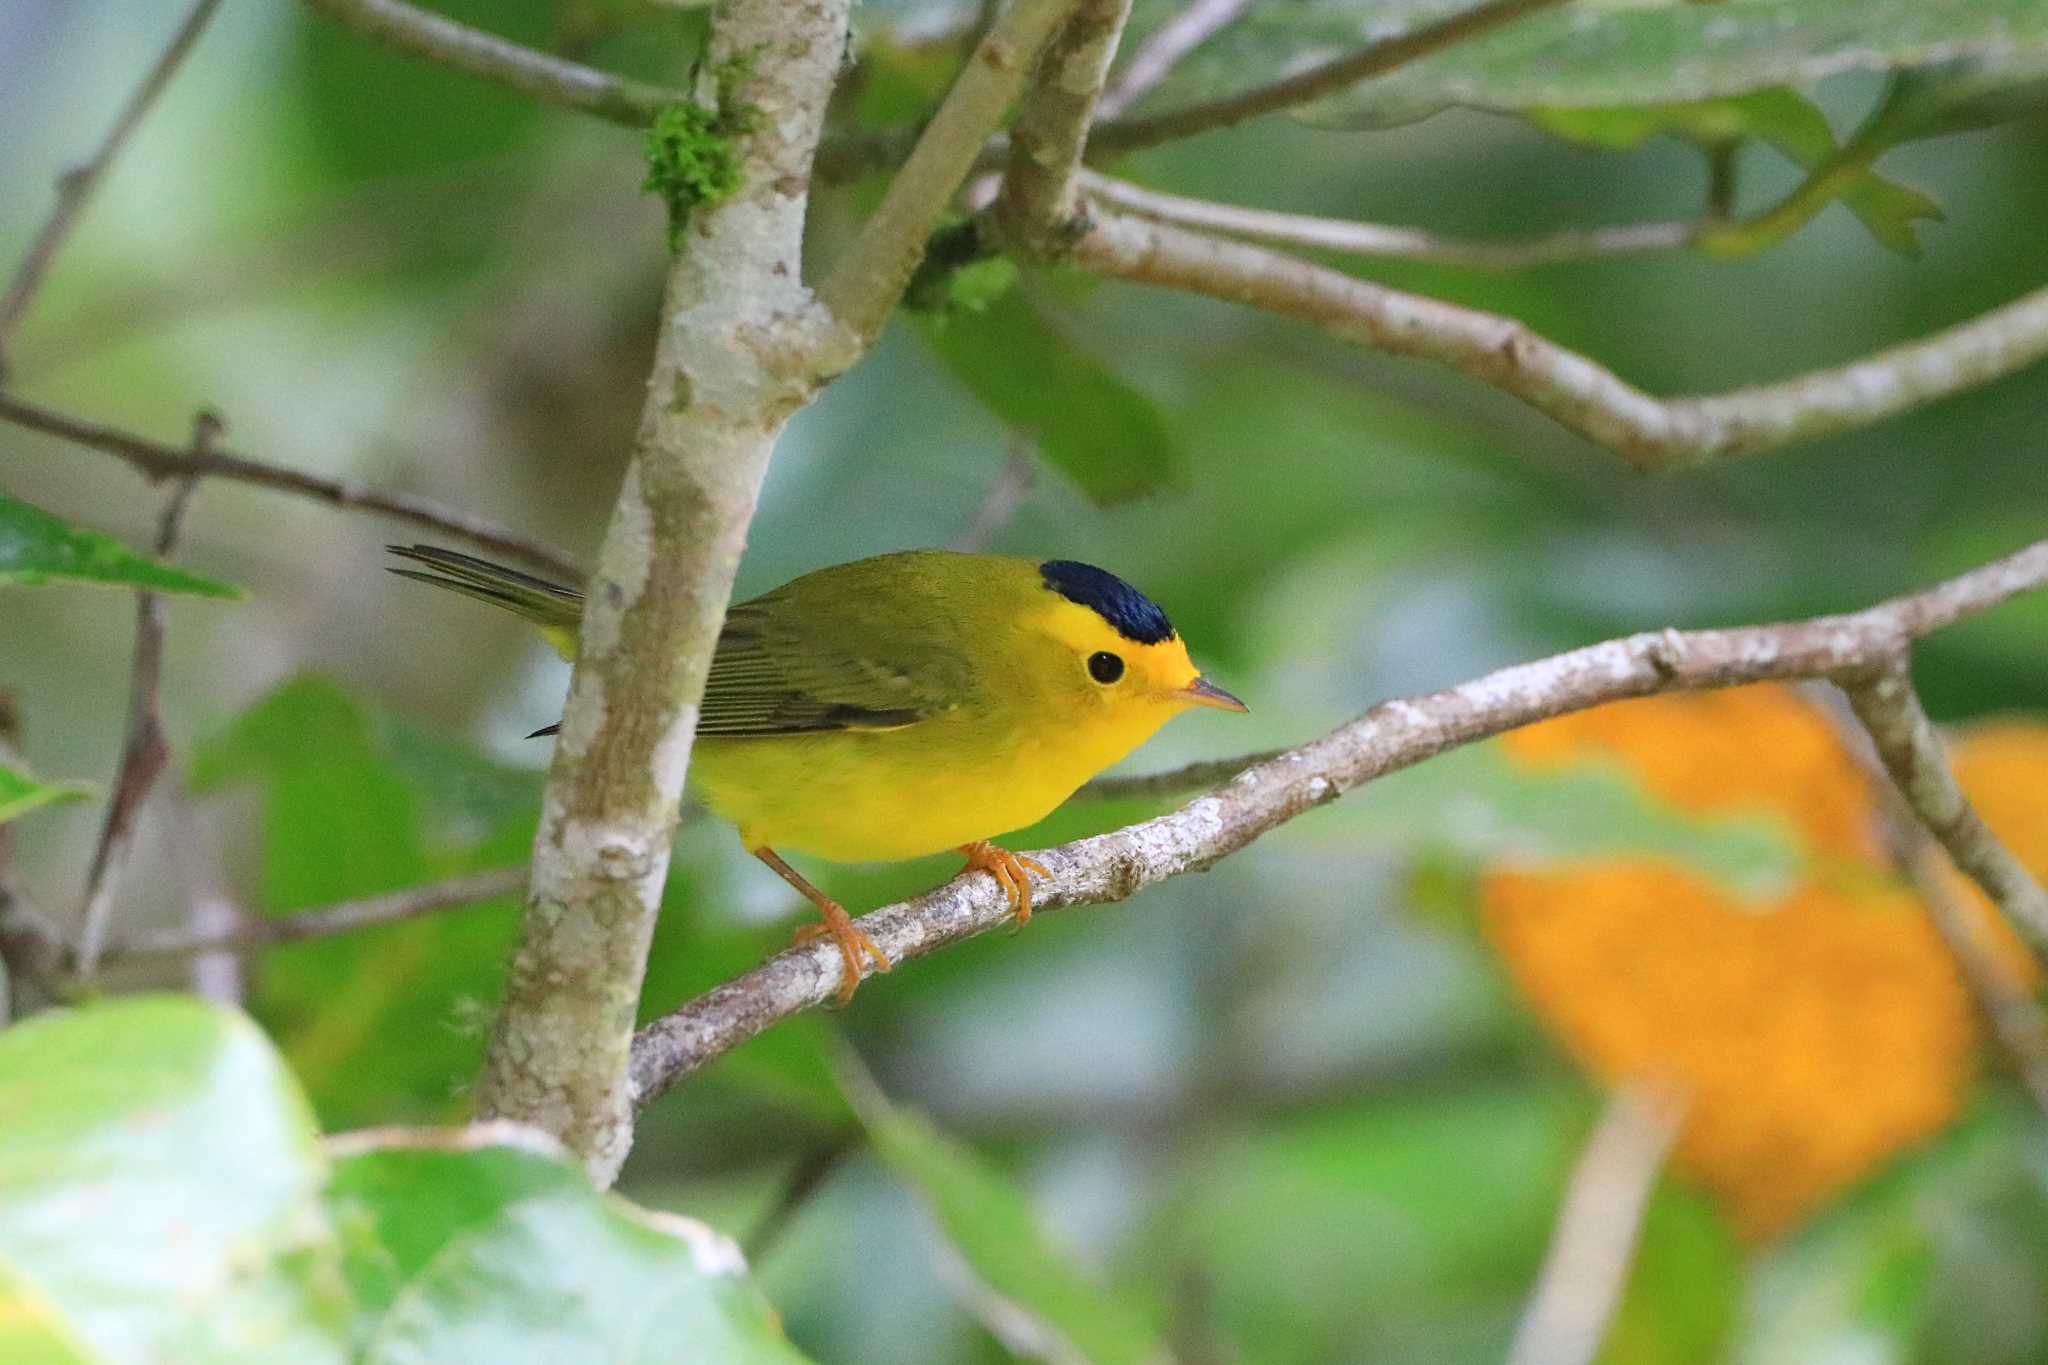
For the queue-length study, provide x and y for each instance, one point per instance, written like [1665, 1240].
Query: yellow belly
[883, 795]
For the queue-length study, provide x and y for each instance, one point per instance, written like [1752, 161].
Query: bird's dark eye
[1104, 666]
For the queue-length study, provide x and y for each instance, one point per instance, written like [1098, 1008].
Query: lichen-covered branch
[739, 351]
[76, 186]
[1391, 736]
[1050, 134]
[1883, 698]
[1576, 391]
[868, 280]
[158, 461]
[501, 61]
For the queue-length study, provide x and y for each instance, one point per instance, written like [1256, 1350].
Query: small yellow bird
[903, 705]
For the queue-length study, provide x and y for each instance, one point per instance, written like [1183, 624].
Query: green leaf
[1785, 119]
[159, 1186]
[990, 1222]
[1593, 55]
[36, 547]
[32, 1331]
[1106, 436]
[504, 1253]
[381, 1024]
[22, 791]
[1684, 1289]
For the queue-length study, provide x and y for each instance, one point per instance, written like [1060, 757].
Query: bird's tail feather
[555, 609]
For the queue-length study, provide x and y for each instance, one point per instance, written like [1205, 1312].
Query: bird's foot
[854, 945]
[1011, 871]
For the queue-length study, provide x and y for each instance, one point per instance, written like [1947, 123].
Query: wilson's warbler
[903, 705]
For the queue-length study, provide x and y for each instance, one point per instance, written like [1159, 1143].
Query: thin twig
[868, 280]
[345, 917]
[75, 187]
[159, 461]
[31, 953]
[539, 75]
[1163, 50]
[1573, 389]
[145, 751]
[999, 506]
[1037, 201]
[804, 1179]
[1195, 777]
[1882, 695]
[1374, 59]
[1378, 239]
[1594, 1243]
[1393, 735]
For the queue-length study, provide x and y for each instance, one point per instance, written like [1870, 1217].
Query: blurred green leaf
[21, 791]
[36, 547]
[1854, 1285]
[1785, 119]
[506, 1254]
[159, 1185]
[1606, 55]
[384, 1023]
[990, 1222]
[1106, 436]
[32, 1331]
[1684, 1286]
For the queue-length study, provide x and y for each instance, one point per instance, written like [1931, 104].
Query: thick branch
[866, 283]
[1391, 736]
[346, 917]
[1576, 391]
[500, 61]
[1378, 239]
[742, 346]
[1375, 59]
[1884, 700]
[168, 462]
[1051, 131]
[76, 186]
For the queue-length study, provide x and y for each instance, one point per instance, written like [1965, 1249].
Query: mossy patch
[693, 155]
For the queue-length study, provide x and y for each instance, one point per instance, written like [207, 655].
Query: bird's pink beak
[1202, 692]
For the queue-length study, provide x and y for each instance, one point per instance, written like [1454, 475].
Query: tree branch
[1376, 239]
[75, 187]
[167, 462]
[1037, 200]
[1156, 57]
[145, 752]
[540, 75]
[1375, 59]
[1391, 736]
[1882, 696]
[345, 917]
[868, 280]
[1593, 1246]
[742, 346]
[30, 951]
[1574, 390]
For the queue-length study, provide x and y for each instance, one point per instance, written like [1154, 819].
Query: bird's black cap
[1129, 612]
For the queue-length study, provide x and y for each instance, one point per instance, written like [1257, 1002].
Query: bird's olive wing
[778, 672]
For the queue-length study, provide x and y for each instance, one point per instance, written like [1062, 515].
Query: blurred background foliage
[1318, 1104]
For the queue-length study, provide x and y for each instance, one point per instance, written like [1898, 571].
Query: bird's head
[1125, 654]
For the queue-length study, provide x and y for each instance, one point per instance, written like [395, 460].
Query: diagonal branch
[1374, 59]
[540, 75]
[1391, 736]
[868, 280]
[1051, 132]
[159, 461]
[145, 752]
[76, 186]
[1883, 698]
[1156, 57]
[1574, 390]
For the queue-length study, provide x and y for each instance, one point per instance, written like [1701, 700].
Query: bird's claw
[853, 943]
[1011, 871]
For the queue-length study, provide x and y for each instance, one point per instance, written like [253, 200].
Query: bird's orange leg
[1011, 871]
[854, 945]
